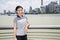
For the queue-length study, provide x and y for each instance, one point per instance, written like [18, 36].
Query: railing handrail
[35, 27]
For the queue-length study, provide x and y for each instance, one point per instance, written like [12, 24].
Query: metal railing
[34, 33]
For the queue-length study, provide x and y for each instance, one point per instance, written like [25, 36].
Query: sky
[11, 4]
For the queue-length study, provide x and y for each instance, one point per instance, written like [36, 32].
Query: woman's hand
[15, 39]
[15, 36]
[26, 30]
[27, 26]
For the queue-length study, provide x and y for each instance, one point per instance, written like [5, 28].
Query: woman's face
[19, 11]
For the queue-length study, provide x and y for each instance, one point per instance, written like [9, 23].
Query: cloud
[35, 3]
[25, 5]
[8, 5]
[11, 4]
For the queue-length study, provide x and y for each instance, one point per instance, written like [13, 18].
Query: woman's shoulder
[24, 16]
[15, 18]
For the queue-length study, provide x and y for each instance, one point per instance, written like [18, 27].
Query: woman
[20, 25]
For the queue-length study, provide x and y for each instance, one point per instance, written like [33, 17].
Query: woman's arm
[14, 25]
[27, 25]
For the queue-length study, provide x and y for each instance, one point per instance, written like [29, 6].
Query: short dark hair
[18, 7]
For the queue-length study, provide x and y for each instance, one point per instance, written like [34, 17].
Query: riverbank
[41, 19]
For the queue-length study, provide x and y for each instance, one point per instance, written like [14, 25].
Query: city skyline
[11, 4]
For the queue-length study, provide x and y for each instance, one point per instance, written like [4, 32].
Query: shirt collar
[19, 16]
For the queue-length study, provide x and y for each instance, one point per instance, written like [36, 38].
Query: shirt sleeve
[26, 17]
[15, 20]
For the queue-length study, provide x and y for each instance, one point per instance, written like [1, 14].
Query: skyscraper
[4, 11]
[30, 9]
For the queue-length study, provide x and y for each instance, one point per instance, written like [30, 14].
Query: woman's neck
[20, 15]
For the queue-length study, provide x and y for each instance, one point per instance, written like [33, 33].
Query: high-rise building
[42, 7]
[30, 9]
[59, 2]
[36, 10]
[52, 6]
[9, 12]
[4, 11]
[41, 2]
[47, 8]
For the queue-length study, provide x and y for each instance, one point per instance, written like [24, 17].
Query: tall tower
[41, 2]
[30, 9]
[42, 7]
